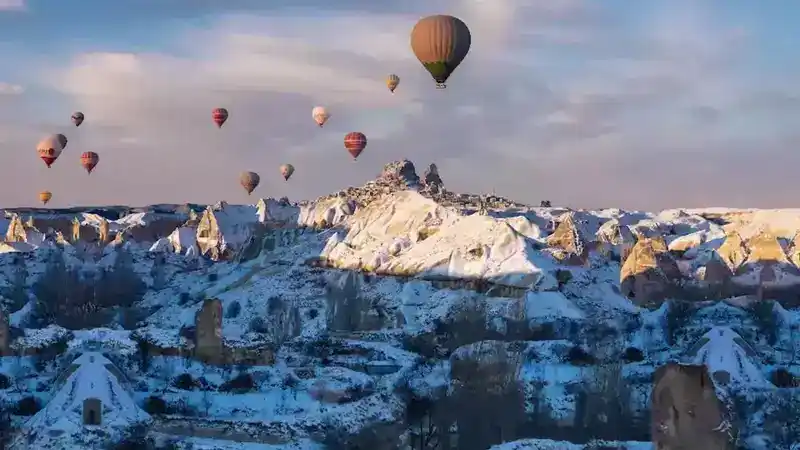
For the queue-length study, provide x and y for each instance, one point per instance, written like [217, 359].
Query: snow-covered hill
[399, 315]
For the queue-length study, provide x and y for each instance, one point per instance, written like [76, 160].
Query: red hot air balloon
[355, 142]
[89, 160]
[219, 116]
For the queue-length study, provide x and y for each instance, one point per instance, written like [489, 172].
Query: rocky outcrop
[431, 179]
[571, 239]
[401, 175]
[733, 251]
[615, 239]
[648, 274]
[686, 412]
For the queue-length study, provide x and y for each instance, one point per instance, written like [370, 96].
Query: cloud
[562, 100]
[12, 5]
[10, 89]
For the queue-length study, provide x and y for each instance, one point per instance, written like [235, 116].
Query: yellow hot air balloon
[440, 43]
[391, 82]
[45, 196]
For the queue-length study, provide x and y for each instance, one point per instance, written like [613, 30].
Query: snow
[550, 305]
[60, 423]
[391, 236]
[722, 350]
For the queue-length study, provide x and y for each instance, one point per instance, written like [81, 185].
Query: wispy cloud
[12, 5]
[10, 89]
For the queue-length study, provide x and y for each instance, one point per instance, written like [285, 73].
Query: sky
[616, 103]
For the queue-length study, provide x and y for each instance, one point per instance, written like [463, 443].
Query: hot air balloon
[391, 82]
[286, 171]
[49, 149]
[45, 196]
[62, 140]
[440, 43]
[249, 181]
[77, 118]
[320, 115]
[219, 116]
[355, 142]
[89, 160]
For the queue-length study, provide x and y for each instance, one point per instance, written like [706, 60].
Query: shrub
[242, 383]
[233, 310]
[155, 405]
[782, 378]
[5, 382]
[257, 325]
[27, 406]
[580, 357]
[184, 382]
[633, 354]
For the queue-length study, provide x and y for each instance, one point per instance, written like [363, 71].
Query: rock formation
[686, 412]
[648, 273]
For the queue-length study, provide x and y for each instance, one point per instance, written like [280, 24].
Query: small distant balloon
[249, 181]
[391, 82]
[89, 161]
[320, 115]
[355, 142]
[49, 149]
[219, 116]
[62, 140]
[45, 196]
[286, 171]
[77, 118]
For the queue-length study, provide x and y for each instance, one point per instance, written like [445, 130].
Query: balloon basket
[441, 86]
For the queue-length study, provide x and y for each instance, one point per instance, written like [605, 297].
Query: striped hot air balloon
[89, 161]
[219, 116]
[355, 142]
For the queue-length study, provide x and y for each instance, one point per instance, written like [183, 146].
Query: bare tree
[487, 400]
[207, 401]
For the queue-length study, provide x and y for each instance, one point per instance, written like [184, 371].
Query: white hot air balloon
[320, 115]
[49, 149]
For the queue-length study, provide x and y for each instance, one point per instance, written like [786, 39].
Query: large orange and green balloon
[440, 43]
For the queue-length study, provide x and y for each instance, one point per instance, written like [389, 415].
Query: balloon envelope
[219, 116]
[89, 161]
[440, 43]
[355, 142]
[249, 181]
[320, 115]
[45, 197]
[286, 171]
[49, 149]
[77, 118]
[62, 140]
[392, 81]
